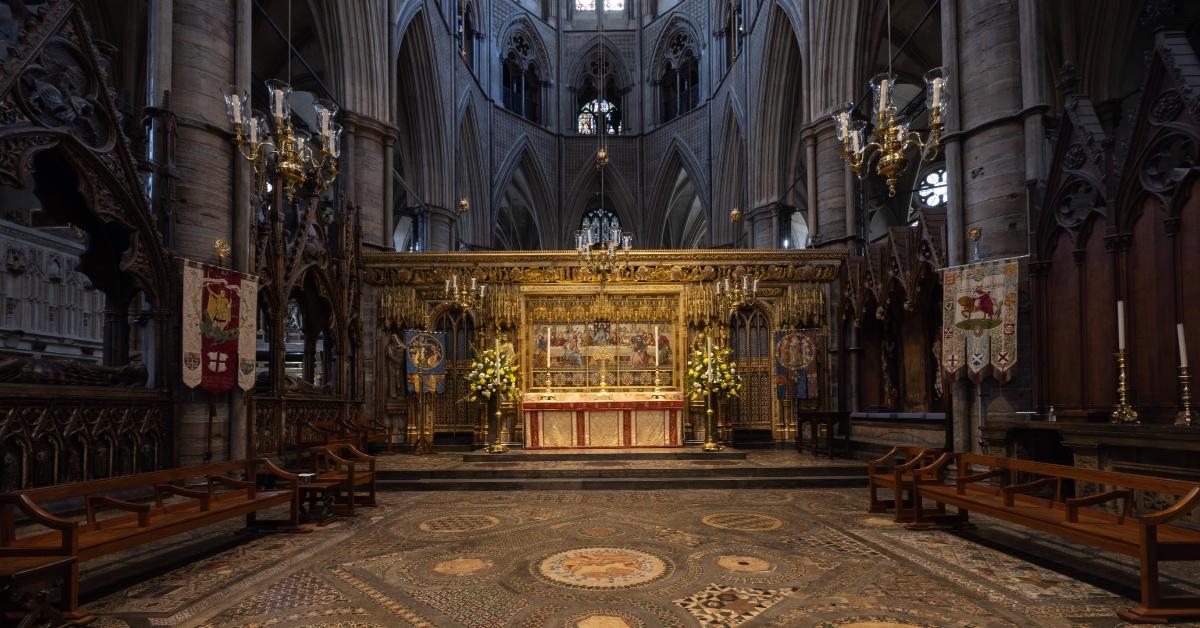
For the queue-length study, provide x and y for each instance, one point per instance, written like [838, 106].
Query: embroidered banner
[426, 361]
[220, 309]
[979, 319]
[797, 370]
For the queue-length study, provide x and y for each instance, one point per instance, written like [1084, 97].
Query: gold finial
[974, 233]
[222, 249]
[464, 205]
[602, 157]
[735, 215]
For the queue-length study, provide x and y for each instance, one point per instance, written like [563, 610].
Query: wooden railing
[58, 434]
[283, 425]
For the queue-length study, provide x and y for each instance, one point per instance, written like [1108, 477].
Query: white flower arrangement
[488, 377]
[723, 380]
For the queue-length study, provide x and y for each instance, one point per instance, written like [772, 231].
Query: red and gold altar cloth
[597, 420]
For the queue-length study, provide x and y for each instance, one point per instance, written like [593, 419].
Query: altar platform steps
[622, 478]
[628, 455]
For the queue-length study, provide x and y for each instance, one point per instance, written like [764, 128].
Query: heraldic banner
[979, 319]
[426, 363]
[220, 309]
[797, 369]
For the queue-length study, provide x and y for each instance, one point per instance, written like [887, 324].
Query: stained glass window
[600, 222]
[585, 5]
[595, 110]
[613, 5]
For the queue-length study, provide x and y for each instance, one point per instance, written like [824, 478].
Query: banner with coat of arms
[797, 366]
[979, 319]
[220, 317]
[426, 363]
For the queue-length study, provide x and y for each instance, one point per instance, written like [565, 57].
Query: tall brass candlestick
[1123, 413]
[1185, 398]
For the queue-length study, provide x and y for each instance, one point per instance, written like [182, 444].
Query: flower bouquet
[720, 378]
[489, 376]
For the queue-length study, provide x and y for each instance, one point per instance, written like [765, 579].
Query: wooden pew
[219, 497]
[1149, 537]
[346, 464]
[894, 471]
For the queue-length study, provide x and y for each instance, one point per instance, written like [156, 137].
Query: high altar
[602, 359]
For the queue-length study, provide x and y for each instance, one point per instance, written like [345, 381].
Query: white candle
[472, 284]
[745, 283]
[1182, 345]
[883, 96]
[235, 103]
[547, 347]
[709, 339]
[1120, 325]
[497, 358]
[727, 284]
[855, 144]
[278, 103]
[454, 281]
[482, 288]
[937, 92]
[447, 286]
[253, 132]
[754, 287]
[656, 346]
[718, 287]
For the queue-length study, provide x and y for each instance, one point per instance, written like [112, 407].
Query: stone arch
[619, 197]
[522, 182]
[730, 176]
[532, 50]
[420, 146]
[678, 194]
[472, 175]
[661, 57]
[779, 150]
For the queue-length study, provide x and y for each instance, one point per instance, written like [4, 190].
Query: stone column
[368, 180]
[831, 171]
[203, 61]
[241, 213]
[810, 173]
[763, 220]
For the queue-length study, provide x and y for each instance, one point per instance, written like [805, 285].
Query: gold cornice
[648, 266]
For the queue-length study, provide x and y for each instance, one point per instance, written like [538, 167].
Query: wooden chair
[354, 469]
[895, 471]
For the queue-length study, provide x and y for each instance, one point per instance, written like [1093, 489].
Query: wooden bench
[894, 471]
[27, 585]
[344, 463]
[836, 426]
[1147, 536]
[216, 498]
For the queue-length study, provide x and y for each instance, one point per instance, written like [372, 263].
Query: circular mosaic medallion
[461, 566]
[870, 622]
[742, 521]
[745, 564]
[603, 619]
[460, 523]
[602, 568]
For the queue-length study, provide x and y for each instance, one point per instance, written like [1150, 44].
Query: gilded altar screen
[617, 341]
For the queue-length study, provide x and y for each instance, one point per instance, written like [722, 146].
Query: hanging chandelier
[469, 297]
[891, 138]
[280, 149]
[603, 255]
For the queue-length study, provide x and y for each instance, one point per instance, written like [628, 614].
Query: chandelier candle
[656, 344]
[547, 346]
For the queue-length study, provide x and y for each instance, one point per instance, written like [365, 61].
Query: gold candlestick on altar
[1123, 413]
[657, 386]
[710, 429]
[549, 394]
[1185, 398]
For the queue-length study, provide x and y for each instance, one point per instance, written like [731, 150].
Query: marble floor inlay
[600, 559]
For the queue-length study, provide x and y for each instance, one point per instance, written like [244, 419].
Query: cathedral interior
[599, 313]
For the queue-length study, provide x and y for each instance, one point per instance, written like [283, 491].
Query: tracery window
[734, 32]
[600, 222]
[520, 75]
[599, 109]
[590, 5]
[933, 187]
[679, 85]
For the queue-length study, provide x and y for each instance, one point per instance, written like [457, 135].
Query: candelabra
[734, 295]
[290, 153]
[891, 138]
[657, 394]
[603, 255]
[1184, 417]
[1123, 413]
[467, 298]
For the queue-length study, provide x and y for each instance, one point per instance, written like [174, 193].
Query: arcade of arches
[599, 312]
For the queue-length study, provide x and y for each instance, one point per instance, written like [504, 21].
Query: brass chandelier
[891, 138]
[603, 255]
[734, 295]
[280, 148]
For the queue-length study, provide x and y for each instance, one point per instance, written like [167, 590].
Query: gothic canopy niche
[55, 100]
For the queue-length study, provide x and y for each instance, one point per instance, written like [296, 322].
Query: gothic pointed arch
[583, 194]
[779, 148]
[420, 146]
[729, 191]
[472, 181]
[678, 208]
[599, 81]
[523, 201]
[524, 69]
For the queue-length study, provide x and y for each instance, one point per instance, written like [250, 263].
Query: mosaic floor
[598, 559]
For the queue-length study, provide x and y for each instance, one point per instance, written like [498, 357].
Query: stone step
[622, 483]
[600, 471]
[691, 453]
